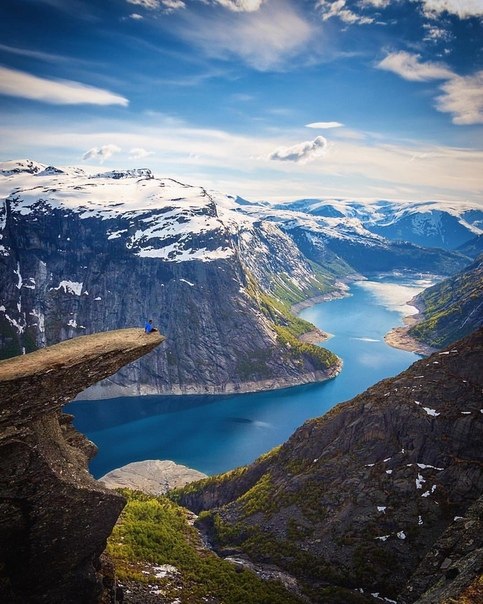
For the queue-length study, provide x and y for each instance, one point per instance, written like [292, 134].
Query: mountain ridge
[354, 499]
[85, 252]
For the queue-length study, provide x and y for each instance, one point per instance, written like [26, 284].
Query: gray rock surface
[357, 498]
[74, 264]
[152, 476]
[452, 565]
[54, 517]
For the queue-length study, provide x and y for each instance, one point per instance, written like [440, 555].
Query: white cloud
[463, 97]
[139, 153]
[324, 125]
[239, 164]
[149, 4]
[338, 8]
[301, 152]
[409, 67]
[375, 3]
[241, 5]
[265, 39]
[169, 5]
[435, 33]
[173, 4]
[464, 9]
[101, 153]
[57, 92]
[135, 16]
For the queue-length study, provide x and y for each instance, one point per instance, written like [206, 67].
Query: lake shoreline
[214, 433]
[398, 337]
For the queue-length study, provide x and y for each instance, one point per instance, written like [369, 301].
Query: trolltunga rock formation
[54, 517]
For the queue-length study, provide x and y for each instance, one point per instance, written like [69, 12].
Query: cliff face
[356, 498]
[54, 517]
[84, 254]
[451, 309]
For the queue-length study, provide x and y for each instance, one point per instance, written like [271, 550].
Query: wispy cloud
[148, 4]
[101, 153]
[339, 9]
[324, 125]
[241, 5]
[264, 39]
[301, 152]
[57, 92]
[139, 153]
[464, 9]
[363, 168]
[168, 5]
[409, 67]
[375, 3]
[463, 97]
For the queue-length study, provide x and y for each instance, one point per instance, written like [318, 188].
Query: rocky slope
[87, 252]
[54, 517]
[83, 253]
[450, 309]
[451, 570]
[354, 500]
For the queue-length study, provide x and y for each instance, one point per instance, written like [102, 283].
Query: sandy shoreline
[398, 337]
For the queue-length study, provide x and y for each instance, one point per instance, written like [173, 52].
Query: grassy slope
[289, 328]
[452, 308]
[154, 530]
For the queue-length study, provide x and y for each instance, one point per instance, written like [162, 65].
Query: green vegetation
[452, 308]
[289, 328]
[259, 498]
[154, 530]
[320, 357]
[284, 288]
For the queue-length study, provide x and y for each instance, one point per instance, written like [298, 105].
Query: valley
[218, 433]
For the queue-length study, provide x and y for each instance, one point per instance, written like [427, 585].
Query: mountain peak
[18, 166]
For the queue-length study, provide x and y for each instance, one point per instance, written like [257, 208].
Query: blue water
[217, 433]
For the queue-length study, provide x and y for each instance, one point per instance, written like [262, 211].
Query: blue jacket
[148, 328]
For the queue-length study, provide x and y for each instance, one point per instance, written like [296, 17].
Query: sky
[266, 99]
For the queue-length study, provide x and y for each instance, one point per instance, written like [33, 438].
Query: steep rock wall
[54, 517]
[355, 499]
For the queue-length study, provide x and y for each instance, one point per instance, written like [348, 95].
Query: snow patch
[164, 570]
[19, 276]
[69, 287]
[383, 538]
[423, 466]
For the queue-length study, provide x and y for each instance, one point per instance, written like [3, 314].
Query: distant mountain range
[89, 252]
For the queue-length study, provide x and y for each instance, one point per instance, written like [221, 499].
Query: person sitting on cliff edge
[148, 327]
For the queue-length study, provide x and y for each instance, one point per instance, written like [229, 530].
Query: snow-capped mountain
[440, 224]
[84, 252]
